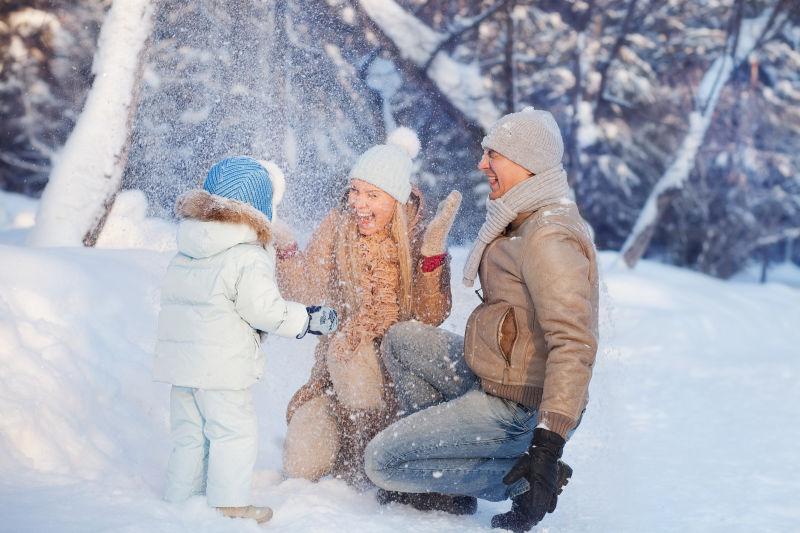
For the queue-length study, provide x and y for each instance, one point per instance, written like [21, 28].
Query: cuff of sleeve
[295, 322]
[429, 264]
[557, 423]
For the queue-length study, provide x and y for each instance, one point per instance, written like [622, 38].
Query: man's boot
[431, 501]
[517, 520]
[259, 514]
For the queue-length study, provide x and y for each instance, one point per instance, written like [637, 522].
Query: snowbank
[127, 226]
[690, 426]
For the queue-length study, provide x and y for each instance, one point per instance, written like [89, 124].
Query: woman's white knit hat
[388, 166]
[530, 138]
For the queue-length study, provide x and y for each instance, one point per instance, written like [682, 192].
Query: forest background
[681, 118]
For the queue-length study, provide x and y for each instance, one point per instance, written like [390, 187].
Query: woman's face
[373, 207]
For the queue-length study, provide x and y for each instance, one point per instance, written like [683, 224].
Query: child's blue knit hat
[244, 179]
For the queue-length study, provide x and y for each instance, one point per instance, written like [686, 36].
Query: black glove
[539, 465]
[322, 320]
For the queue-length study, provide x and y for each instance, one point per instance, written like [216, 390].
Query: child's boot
[259, 514]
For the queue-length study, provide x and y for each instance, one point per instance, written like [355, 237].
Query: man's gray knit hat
[530, 138]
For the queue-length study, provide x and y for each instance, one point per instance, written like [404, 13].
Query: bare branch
[14, 161]
[462, 29]
[612, 55]
[779, 9]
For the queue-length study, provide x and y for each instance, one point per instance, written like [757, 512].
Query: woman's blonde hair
[402, 238]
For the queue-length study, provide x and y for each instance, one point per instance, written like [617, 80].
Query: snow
[88, 170]
[17, 216]
[785, 272]
[691, 424]
[128, 226]
[384, 78]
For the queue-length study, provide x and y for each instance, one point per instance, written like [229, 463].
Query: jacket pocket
[507, 335]
[489, 340]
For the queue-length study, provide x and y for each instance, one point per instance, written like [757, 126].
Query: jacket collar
[202, 206]
[522, 218]
[519, 221]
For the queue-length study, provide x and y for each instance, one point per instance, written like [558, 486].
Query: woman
[371, 259]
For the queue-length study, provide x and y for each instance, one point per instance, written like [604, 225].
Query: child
[218, 294]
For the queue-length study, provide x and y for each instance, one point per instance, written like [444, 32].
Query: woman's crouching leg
[426, 365]
[357, 378]
[312, 440]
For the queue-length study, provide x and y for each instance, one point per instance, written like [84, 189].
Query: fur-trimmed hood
[211, 224]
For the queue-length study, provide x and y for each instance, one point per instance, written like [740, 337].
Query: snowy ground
[692, 425]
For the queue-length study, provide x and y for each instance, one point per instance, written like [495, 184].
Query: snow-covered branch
[789, 233]
[15, 161]
[741, 44]
[463, 27]
[462, 84]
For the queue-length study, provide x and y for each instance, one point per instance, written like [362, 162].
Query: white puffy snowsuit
[219, 292]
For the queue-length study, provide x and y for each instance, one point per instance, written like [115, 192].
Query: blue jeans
[458, 439]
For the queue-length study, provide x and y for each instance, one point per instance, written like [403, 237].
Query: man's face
[501, 173]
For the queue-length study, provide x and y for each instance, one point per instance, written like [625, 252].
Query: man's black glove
[539, 465]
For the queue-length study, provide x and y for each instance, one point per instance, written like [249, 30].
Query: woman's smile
[365, 220]
[372, 207]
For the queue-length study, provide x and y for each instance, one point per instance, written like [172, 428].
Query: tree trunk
[509, 73]
[707, 97]
[87, 173]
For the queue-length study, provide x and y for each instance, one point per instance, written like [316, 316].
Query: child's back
[219, 292]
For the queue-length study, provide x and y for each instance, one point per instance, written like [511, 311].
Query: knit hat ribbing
[243, 179]
[531, 138]
[388, 166]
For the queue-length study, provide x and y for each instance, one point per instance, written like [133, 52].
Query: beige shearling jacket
[534, 338]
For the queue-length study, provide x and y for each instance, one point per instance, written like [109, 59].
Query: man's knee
[407, 341]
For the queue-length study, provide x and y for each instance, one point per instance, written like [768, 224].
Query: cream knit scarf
[542, 189]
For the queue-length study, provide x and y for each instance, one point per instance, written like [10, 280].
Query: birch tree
[745, 36]
[87, 172]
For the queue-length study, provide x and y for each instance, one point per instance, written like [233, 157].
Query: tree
[744, 36]
[313, 83]
[88, 172]
[46, 50]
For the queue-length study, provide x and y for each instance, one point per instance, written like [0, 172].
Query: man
[492, 411]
